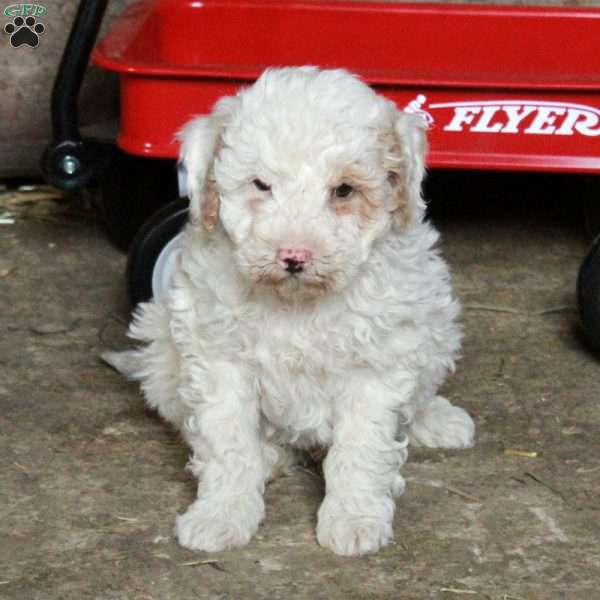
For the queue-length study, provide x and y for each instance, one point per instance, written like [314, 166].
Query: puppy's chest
[297, 383]
[301, 348]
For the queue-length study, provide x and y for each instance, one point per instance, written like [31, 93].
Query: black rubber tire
[132, 189]
[154, 235]
[588, 295]
[591, 205]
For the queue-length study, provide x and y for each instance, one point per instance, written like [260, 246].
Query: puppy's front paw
[350, 534]
[211, 527]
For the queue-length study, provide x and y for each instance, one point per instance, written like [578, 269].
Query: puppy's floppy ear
[405, 162]
[200, 141]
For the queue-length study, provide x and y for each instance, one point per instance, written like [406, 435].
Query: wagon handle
[69, 161]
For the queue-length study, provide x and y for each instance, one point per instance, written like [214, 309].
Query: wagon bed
[500, 87]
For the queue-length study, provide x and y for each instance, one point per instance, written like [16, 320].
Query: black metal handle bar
[69, 161]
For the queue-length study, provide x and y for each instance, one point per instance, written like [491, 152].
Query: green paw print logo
[25, 27]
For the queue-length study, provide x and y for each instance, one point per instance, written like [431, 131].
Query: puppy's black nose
[293, 266]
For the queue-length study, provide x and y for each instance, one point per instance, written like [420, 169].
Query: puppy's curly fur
[345, 351]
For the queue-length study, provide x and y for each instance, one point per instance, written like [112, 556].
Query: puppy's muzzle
[294, 258]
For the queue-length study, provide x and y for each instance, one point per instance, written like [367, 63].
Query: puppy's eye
[261, 185]
[343, 191]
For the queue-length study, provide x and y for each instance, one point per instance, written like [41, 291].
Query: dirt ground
[90, 481]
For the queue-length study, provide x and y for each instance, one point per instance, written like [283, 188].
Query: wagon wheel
[588, 280]
[133, 188]
[154, 252]
[588, 295]
[591, 204]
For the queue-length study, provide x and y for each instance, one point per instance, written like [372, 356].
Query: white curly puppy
[309, 308]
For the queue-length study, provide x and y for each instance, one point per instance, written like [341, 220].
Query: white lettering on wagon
[415, 107]
[530, 117]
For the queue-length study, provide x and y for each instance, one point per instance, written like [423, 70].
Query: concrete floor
[91, 481]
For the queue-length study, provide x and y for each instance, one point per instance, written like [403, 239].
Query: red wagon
[504, 88]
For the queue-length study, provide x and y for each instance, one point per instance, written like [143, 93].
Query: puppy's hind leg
[155, 363]
[156, 366]
[280, 461]
[128, 362]
[439, 424]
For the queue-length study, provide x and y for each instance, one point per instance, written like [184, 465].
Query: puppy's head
[305, 171]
